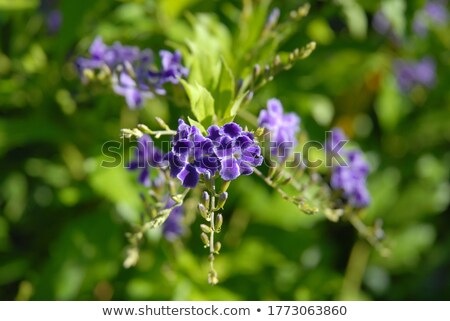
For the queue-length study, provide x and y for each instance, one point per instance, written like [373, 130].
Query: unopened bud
[259, 132]
[204, 212]
[162, 123]
[144, 129]
[277, 60]
[256, 71]
[222, 199]
[205, 239]
[208, 181]
[225, 186]
[205, 199]
[267, 71]
[219, 222]
[217, 247]
[205, 228]
[88, 74]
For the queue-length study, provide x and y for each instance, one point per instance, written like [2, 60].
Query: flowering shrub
[214, 150]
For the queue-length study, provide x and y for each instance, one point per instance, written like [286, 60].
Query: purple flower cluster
[433, 13]
[282, 127]
[135, 75]
[350, 178]
[228, 150]
[411, 73]
[147, 156]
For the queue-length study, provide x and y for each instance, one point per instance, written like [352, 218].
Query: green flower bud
[205, 228]
[219, 222]
[222, 199]
[205, 239]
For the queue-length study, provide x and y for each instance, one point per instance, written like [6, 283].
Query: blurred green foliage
[63, 217]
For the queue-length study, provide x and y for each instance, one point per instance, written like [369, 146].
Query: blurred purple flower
[380, 23]
[54, 21]
[411, 73]
[172, 69]
[236, 149]
[172, 227]
[433, 13]
[350, 178]
[147, 156]
[134, 73]
[282, 127]
[135, 93]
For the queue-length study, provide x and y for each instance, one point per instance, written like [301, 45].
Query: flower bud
[205, 199]
[219, 222]
[217, 247]
[256, 71]
[162, 123]
[205, 228]
[209, 183]
[222, 199]
[277, 61]
[204, 212]
[205, 239]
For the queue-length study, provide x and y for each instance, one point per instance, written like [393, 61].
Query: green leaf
[356, 18]
[394, 10]
[202, 103]
[225, 89]
[18, 4]
[197, 124]
[233, 109]
[390, 106]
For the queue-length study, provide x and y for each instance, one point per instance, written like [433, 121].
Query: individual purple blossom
[351, 177]
[192, 154]
[54, 20]
[135, 93]
[172, 69]
[411, 73]
[282, 128]
[383, 26]
[236, 149]
[172, 227]
[433, 13]
[147, 156]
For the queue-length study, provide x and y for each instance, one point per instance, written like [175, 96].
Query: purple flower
[433, 13]
[350, 178]
[380, 23]
[135, 93]
[172, 227]
[147, 156]
[236, 149]
[54, 20]
[134, 73]
[192, 154]
[172, 69]
[410, 73]
[282, 127]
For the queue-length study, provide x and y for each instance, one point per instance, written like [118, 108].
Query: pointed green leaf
[225, 89]
[202, 103]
